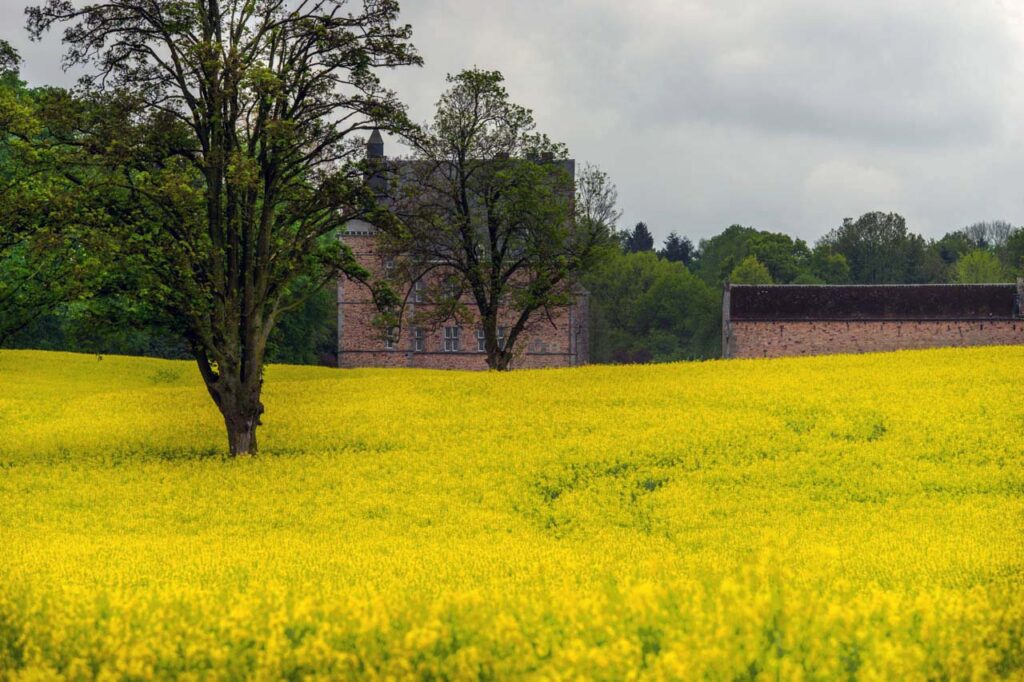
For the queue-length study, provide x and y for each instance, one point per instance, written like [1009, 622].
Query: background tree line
[648, 303]
[662, 304]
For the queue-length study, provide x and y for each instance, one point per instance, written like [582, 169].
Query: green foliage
[645, 308]
[638, 239]
[980, 267]
[9, 58]
[828, 267]
[498, 230]
[678, 249]
[307, 335]
[109, 325]
[808, 278]
[879, 249]
[784, 257]
[102, 326]
[952, 247]
[50, 233]
[225, 134]
[1013, 252]
[750, 271]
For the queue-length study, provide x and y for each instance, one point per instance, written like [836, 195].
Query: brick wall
[748, 339]
[557, 342]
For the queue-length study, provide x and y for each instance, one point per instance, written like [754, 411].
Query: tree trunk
[502, 360]
[242, 431]
[239, 403]
[498, 358]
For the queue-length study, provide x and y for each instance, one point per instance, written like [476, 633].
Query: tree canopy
[48, 230]
[645, 308]
[638, 239]
[980, 267]
[228, 133]
[750, 271]
[879, 249]
[485, 215]
[678, 249]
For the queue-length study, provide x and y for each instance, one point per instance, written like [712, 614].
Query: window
[419, 291]
[452, 290]
[389, 268]
[451, 339]
[391, 340]
[481, 339]
[417, 339]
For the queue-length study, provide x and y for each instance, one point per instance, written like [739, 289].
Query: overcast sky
[786, 115]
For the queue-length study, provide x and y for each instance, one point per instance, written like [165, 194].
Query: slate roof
[791, 302]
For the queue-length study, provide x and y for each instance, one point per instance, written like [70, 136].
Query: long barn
[780, 320]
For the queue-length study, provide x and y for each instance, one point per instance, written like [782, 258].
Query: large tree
[644, 308]
[486, 216]
[878, 248]
[786, 258]
[231, 129]
[980, 266]
[44, 207]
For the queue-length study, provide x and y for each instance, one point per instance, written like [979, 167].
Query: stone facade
[794, 320]
[561, 341]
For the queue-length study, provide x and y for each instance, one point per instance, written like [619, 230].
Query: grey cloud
[783, 114]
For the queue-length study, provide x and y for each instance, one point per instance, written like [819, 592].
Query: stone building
[558, 340]
[778, 320]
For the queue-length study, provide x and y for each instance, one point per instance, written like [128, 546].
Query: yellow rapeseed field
[845, 517]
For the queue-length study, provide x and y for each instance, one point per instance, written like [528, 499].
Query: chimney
[375, 145]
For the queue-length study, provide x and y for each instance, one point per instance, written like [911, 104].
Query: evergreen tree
[640, 239]
[678, 249]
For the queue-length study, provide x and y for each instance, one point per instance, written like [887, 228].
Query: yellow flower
[819, 518]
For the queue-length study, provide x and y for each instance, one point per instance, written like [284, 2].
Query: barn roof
[794, 302]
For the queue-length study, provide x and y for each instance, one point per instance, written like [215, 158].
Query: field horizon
[842, 516]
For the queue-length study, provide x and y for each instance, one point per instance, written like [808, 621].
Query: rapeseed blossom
[817, 518]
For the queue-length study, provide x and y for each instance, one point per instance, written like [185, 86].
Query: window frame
[481, 339]
[451, 339]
